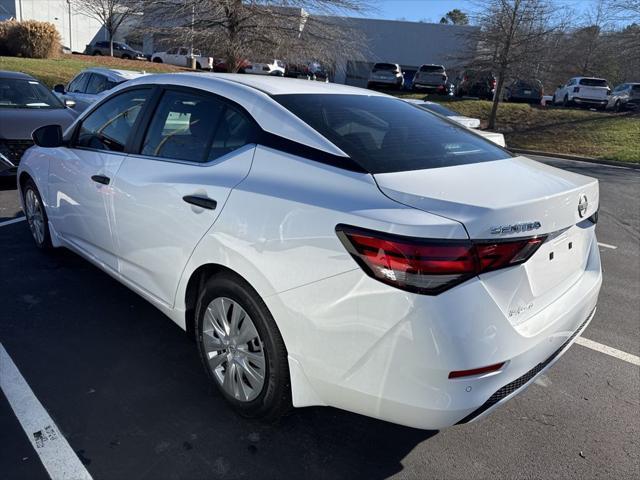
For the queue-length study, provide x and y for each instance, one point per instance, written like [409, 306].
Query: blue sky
[433, 10]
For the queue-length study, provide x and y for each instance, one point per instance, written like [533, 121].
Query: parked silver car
[386, 75]
[431, 78]
[625, 97]
[90, 84]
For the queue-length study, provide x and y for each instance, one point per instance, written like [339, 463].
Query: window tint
[384, 66]
[79, 83]
[635, 88]
[389, 135]
[97, 83]
[194, 128]
[109, 126]
[431, 68]
[172, 51]
[183, 51]
[593, 82]
[435, 107]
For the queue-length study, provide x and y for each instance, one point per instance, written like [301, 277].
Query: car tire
[156, 60]
[232, 363]
[618, 106]
[565, 101]
[97, 53]
[36, 215]
[126, 57]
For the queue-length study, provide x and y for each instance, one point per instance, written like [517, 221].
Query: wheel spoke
[255, 377]
[216, 359]
[256, 358]
[210, 316]
[247, 332]
[212, 343]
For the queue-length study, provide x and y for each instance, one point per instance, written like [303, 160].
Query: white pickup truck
[180, 56]
[583, 91]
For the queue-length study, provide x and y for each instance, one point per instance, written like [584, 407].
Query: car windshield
[384, 66]
[22, 93]
[593, 82]
[434, 107]
[431, 68]
[384, 134]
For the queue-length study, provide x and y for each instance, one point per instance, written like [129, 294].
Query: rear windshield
[635, 88]
[384, 66]
[432, 68]
[384, 134]
[593, 82]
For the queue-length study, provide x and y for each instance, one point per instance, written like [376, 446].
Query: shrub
[30, 38]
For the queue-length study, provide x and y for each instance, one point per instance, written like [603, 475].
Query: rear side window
[635, 88]
[384, 134]
[97, 83]
[108, 127]
[593, 82]
[195, 128]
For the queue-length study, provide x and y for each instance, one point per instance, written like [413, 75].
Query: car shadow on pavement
[126, 387]
[7, 183]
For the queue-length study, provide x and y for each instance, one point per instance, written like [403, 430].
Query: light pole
[70, 37]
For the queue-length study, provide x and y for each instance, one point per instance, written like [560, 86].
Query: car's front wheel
[566, 102]
[36, 215]
[242, 349]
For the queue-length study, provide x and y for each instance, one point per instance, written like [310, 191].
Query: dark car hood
[18, 123]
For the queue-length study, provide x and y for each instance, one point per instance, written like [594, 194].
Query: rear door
[197, 147]
[593, 88]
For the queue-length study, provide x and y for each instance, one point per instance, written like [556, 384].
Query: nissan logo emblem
[583, 204]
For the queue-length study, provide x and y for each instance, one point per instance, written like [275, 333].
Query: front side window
[195, 128]
[78, 84]
[385, 134]
[108, 127]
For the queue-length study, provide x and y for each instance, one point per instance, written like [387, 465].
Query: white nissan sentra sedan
[325, 245]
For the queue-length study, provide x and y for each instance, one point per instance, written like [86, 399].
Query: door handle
[101, 179]
[204, 202]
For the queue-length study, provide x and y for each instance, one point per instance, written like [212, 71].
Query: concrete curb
[613, 163]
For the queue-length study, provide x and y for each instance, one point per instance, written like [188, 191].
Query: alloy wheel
[35, 215]
[233, 349]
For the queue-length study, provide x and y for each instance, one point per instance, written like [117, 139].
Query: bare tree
[256, 29]
[512, 36]
[111, 13]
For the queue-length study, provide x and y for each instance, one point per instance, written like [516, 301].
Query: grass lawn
[60, 70]
[600, 135]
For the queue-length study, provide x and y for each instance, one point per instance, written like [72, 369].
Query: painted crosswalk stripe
[12, 221]
[54, 451]
[614, 352]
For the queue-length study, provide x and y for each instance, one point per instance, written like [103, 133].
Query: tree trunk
[110, 44]
[496, 100]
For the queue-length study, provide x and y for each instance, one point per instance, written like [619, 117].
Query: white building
[76, 30]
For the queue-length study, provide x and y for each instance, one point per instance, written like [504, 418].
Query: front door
[196, 150]
[81, 179]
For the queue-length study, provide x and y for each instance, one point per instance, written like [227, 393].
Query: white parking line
[13, 220]
[614, 352]
[606, 245]
[54, 451]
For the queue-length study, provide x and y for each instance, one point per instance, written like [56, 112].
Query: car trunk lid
[508, 199]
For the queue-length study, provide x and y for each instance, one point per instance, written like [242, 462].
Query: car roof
[20, 75]
[590, 78]
[115, 74]
[283, 85]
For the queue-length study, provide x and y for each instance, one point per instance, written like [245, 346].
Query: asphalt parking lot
[125, 387]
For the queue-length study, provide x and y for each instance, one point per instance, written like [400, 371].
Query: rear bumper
[372, 349]
[589, 101]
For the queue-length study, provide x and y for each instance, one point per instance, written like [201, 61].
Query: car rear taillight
[493, 83]
[576, 89]
[430, 266]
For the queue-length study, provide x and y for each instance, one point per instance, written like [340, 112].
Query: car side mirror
[59, 88]
[69, 103]
[48, 136]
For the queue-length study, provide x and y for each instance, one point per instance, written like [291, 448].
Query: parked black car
[472, 83]
[25, 104]
[121, 50]
[520, 90]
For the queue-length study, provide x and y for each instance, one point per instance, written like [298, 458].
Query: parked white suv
[275, 68]
[431, 78]
[181, 57]
[583, 91]
[386, 75]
